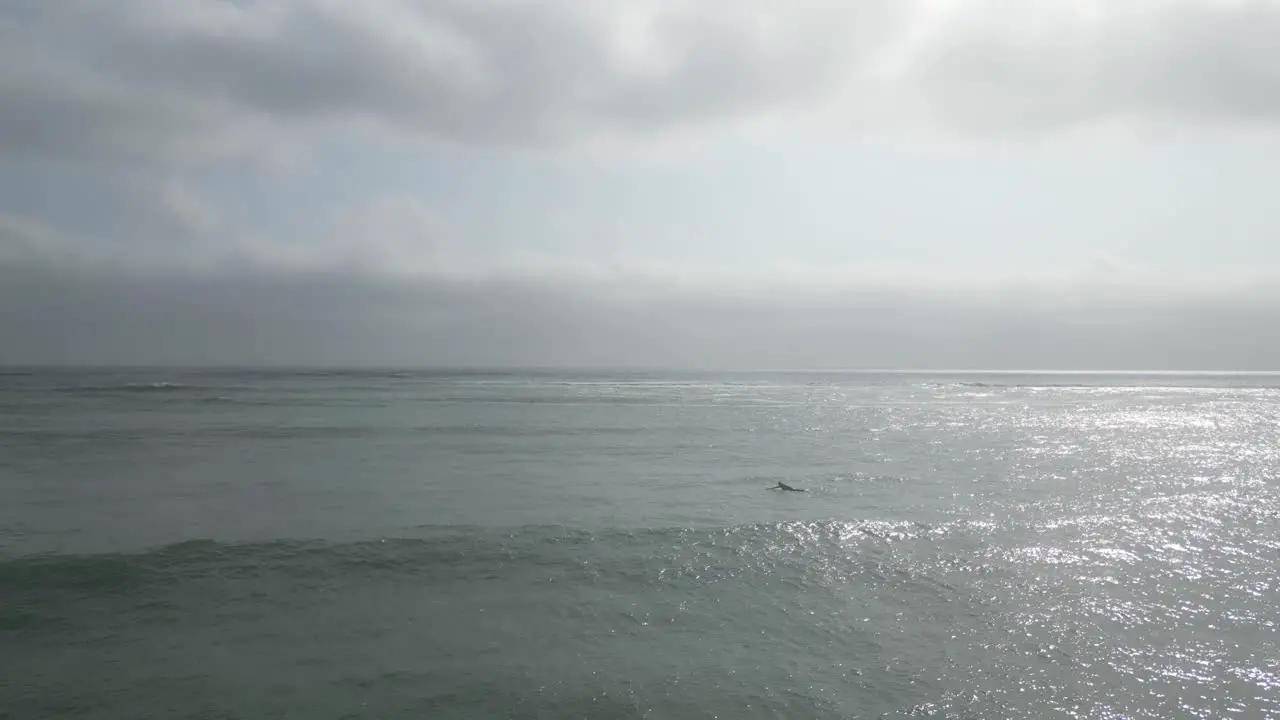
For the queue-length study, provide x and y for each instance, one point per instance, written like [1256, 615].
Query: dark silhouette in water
[783, 486]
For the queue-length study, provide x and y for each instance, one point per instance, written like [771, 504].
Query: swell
[277, 432]
[652, 555]
[666, 608]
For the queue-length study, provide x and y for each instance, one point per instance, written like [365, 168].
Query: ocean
[412, 544]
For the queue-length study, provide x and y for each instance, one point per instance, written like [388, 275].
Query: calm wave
[273, 543]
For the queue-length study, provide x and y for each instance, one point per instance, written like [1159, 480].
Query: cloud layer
[91, 78]
[250, 318]
[137, 100]
[123, 123]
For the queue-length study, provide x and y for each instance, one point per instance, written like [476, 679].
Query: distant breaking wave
[151, 387]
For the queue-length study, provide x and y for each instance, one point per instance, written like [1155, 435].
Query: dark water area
[405, 544]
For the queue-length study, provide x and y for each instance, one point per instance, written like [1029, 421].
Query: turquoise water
[267, 544]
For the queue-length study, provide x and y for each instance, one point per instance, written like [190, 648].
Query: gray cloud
[133, 100]
[1037, 68]
[143, 94]
[87, 77]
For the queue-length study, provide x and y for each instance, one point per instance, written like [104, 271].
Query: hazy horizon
[671, 371]
[912, 184]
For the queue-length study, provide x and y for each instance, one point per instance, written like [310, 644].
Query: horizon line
[616, 368]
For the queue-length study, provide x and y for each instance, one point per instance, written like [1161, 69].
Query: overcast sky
[1065, 184]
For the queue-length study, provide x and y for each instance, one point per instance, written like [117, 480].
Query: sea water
[411, 544]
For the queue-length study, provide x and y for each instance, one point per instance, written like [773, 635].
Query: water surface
[216, 543]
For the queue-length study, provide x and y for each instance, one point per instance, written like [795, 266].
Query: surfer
[785, 487]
